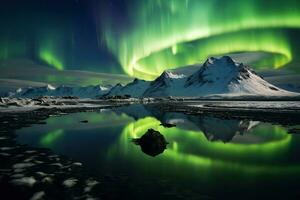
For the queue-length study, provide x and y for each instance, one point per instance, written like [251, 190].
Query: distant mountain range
[83, 92]
[217, 76]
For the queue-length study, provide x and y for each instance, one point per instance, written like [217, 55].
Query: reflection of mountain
[222, 129]
[136, 111]
[214, 128]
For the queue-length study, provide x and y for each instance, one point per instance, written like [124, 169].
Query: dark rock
[152, 143]
[167, 125]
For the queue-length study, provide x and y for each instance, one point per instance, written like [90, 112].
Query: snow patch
[38, 195]
[70, 182]
[25, 181]
[22, 165]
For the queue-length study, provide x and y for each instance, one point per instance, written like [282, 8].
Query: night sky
[141, 38]
[61, 34]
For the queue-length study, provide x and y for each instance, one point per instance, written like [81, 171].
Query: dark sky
[65, 29]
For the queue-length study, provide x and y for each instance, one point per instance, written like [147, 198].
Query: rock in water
[152, 143]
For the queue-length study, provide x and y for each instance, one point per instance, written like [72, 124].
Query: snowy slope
[167, 84]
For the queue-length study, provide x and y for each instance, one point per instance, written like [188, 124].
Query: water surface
[206, 157]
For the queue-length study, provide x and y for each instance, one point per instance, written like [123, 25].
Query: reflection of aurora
[186, 32]
[60, 127]
[49, 138]
[192, 149]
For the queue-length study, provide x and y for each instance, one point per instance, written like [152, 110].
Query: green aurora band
[52, 44]
[50, 59]
[164, 34]
[50, 47]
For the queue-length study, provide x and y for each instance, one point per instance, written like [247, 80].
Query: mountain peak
[209, 61]
[49, 87]
[222, 61]
[227, 59]
[221, 70]
[166, 74]
[166, 77]
[136, 80]
[100, 88]
[171, 75]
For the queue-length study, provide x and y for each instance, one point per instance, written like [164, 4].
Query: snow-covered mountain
[134, 89]
[167, 84]
[216, 77]
[82, 92]
[33, 91]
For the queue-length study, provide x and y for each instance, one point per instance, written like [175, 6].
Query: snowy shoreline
[8, 104]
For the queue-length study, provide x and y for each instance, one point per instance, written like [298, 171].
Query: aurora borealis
[141, 38]
[58, 34]
[187, 32]
[82, 84]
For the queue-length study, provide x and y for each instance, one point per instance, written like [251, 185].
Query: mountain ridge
[217, 76]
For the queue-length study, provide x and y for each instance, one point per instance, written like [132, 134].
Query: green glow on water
[49, 138]
[100, 120]
[191, 149]
[186, 32]
[137, 129]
